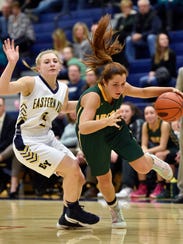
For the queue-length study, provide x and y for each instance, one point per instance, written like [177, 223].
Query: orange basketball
[169, 106]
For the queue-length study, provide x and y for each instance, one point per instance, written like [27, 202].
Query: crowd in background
[141, 25]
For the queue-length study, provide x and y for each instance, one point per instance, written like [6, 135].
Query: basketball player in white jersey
[35, 146]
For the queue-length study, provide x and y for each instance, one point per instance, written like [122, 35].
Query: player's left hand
[178, 92]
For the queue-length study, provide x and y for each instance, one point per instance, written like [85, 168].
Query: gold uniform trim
[28, 155]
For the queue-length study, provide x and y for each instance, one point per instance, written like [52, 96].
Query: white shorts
[42, 154]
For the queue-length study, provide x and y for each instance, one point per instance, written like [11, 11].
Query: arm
[179, 83]
[22, 84]
[90, 102]
[147, 92]
[69, 106]
[145, 137]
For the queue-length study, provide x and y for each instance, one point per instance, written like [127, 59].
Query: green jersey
[97, 146]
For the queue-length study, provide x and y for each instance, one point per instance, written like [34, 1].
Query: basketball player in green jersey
[100, 128]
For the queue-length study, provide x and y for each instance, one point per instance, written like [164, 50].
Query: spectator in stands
[21, 30]
[146, 26]
[69, 59]
[60, 41]
[81, 44]
[132, 116]
[46, 5]
[3, 60]
[16, 169]
[167, 11]
[91, 78]
[179, 199]
[124, 26]
[43, 6]
[5, 13]
[157, 138]
[28, 4]
[125, 21]
[7, 129]
[163, 65]
[76, 84]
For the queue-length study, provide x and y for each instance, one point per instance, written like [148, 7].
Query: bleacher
[48, 22]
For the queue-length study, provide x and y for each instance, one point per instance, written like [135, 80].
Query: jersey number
[43, 118]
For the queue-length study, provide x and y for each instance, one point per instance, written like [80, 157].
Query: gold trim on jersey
[29, 156]
[103, 92]
[78, 112]
[23, 113]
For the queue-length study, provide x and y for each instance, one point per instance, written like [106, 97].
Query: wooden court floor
[34, 221]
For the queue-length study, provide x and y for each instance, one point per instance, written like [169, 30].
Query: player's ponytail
[103, 45]
[33, 68]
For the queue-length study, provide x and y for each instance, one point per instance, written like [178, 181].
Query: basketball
[169, 106]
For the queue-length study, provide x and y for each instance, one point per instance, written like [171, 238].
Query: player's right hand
[115, 118]
[12, 52]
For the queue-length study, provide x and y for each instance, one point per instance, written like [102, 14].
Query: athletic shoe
[140, 192]
[164, 194]
[118, 221]
[124, 193]
[157, 191]
[161, 167]
[64, 224]
[76, 214]
[179, 199]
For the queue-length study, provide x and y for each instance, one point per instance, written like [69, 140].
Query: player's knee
[104, 180]
[76, 172]
[160, 155]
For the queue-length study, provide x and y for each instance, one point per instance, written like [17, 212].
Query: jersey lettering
[44, 165]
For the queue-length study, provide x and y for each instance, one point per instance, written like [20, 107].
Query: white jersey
[34, 143]
[38, 110]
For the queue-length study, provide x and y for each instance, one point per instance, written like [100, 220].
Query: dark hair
[137, 113]
[103, 46]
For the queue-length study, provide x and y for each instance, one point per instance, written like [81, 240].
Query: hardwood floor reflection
[34, 221]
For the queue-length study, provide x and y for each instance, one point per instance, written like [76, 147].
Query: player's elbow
[82, 129]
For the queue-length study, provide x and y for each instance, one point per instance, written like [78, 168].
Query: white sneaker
[118, 221]
[161, 167]
[125, 192]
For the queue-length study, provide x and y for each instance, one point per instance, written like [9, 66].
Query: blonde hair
[61, 36]
[125, 3]
[85, 30]
[38, 58]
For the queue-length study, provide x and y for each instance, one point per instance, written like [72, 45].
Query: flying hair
[103, 44]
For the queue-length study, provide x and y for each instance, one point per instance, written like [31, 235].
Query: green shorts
[97, 147]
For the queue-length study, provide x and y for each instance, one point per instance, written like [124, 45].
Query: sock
[113, 203]
[72, 204]
[64, 209]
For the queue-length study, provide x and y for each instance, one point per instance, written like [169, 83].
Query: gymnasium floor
[33, 221]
